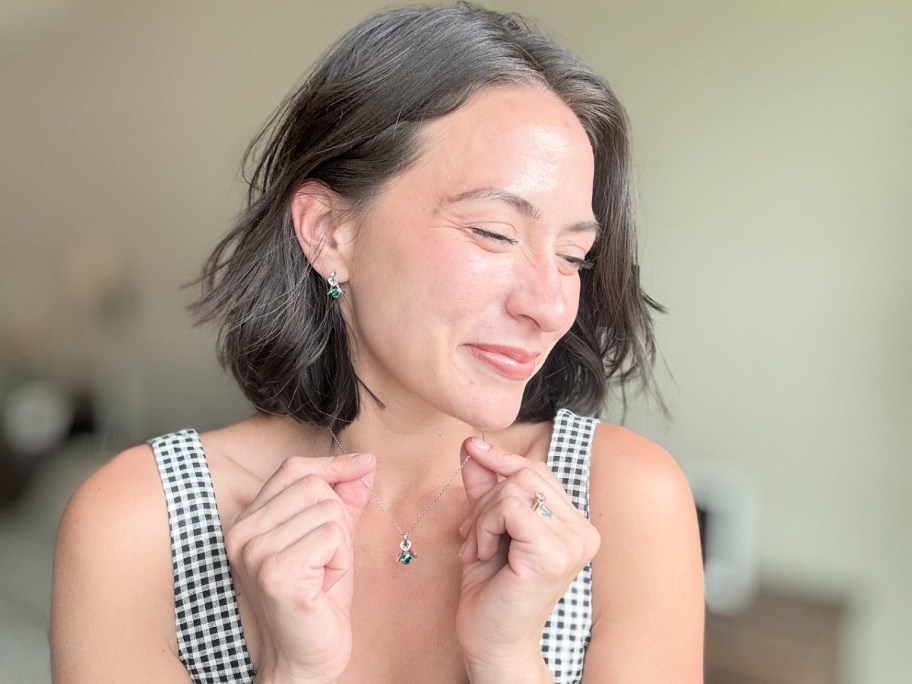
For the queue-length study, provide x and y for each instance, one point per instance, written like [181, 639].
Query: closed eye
[578, 263]
[493, 237]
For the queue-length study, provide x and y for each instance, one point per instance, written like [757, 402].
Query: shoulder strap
[568, 455]
[567, 631]
[210, 639]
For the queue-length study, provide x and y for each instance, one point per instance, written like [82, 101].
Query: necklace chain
[406, 555]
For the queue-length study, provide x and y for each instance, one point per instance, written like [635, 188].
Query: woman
[433, 282]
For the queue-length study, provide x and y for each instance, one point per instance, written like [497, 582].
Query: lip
[511, 362]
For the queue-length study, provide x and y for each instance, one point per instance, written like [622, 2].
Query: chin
[492, 416]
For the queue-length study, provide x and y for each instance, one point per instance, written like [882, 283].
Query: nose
[543, 294]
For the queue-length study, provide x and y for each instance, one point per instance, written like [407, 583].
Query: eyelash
[496, 237]
[579, 264]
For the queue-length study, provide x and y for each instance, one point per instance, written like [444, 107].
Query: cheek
[573, 299]
[422, 278]
[454, 272]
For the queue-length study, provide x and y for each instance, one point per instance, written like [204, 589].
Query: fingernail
[362, 458]
[480, 444]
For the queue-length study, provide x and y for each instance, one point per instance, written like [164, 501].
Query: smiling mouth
[510, 362]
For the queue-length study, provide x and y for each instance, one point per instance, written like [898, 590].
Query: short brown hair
[353, 124]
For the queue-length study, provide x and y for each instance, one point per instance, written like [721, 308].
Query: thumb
[354, 492]
[477, 479]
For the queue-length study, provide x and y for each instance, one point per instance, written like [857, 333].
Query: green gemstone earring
[334, 290]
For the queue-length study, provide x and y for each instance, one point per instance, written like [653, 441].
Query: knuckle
[233, 541]
[514, 491]
[311, 488]
[252, 553]
[294, 467]
[237, 537]
[516, 503]
[330, 509]
[268, 576]
[584, 542]
[312, 481]
[331, 534]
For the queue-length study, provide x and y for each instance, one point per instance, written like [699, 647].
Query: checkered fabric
[210, 640]
[567, 631]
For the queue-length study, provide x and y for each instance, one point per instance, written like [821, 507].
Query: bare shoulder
[116, 507]
[631, 473]
[116, 517]
[647, 576]
[112, 610]
[125, 483]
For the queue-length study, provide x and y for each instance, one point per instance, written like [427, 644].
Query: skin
[473, 248]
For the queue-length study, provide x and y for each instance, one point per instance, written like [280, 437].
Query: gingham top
[210, 638]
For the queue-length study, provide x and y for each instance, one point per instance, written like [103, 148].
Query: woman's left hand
[517, 561]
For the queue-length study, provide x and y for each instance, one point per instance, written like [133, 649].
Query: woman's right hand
[291, 549]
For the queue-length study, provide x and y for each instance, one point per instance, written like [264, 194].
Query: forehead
[522, 139]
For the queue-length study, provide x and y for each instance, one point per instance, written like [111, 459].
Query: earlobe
[321, 224]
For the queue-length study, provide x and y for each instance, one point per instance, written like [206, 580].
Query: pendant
[406, 555]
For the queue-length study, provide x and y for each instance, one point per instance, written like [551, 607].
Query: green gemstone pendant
[335, 292]
[406, 555]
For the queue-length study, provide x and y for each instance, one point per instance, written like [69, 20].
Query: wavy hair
[353, 124]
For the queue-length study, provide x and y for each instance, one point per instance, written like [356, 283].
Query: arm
[112, 609]
[647, 578]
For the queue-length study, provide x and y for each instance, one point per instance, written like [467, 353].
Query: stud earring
[334, 290]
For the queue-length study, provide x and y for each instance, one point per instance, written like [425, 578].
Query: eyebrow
[521, 204]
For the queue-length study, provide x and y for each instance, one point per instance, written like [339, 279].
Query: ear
[323, 227]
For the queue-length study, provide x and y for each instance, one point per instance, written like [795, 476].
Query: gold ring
[538, 505]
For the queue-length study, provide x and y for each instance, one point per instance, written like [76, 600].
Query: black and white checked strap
[210, 638]
[210, 641]
[567, 631]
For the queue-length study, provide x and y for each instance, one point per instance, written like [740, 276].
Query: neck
[413, 455]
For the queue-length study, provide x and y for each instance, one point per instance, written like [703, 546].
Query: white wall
[772, 139]
[774, 145]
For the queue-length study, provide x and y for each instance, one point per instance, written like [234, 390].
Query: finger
[316, 560]
[510, 516]
[308, 491]
[274, 540]
[494, 458]
[468, 552]
[487, 521]
[332, 469]
[535, 544]
[477, 478]
[329, 544]
[510, 522]
[355, 494]
[530, 475]
[505, 464]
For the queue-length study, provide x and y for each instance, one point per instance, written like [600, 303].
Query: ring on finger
[538, 505]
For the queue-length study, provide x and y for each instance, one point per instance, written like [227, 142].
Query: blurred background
[773, 143]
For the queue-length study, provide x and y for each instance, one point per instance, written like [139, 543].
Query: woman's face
[464, 271]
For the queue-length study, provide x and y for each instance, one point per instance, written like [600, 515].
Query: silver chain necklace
[406, 554]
